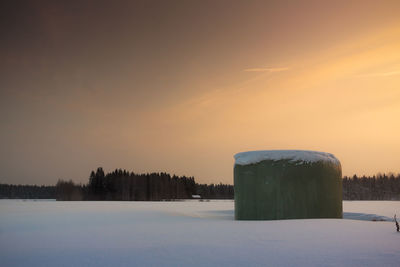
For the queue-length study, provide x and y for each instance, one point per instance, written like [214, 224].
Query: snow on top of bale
[301, 156]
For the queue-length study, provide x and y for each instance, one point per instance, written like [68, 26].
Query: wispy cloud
[266, 69]
[381, 74]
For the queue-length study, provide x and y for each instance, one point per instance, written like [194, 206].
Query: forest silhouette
[123, 185]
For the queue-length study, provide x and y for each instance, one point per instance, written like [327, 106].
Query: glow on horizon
[183, 94]
[333, 101]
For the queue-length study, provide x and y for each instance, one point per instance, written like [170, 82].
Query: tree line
[27, 191]
[129, 186]
[377, 187]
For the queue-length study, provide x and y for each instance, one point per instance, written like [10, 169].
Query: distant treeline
[124, 185]
[121, 185]
[379, 187]
[27, 191]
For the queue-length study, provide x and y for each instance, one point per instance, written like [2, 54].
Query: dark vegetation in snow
[124, 185]
[121, 185]
[27, 191]
[377, 187]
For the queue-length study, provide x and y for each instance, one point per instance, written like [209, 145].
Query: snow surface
[251, 157]
[190, 233]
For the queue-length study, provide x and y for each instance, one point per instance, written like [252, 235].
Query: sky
[182, 86]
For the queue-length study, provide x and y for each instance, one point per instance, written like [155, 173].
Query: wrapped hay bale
[287, 184]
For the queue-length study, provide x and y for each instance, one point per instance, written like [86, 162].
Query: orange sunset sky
[181, 86]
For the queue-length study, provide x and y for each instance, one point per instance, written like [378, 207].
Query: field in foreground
[189, 233]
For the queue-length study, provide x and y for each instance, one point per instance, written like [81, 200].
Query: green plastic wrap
[287, 189]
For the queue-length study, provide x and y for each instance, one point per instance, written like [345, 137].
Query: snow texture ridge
[300, 156]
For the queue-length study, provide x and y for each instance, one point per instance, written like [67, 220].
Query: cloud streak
[381, 74]
[266, 69]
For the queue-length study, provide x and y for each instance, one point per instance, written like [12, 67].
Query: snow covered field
[191, 233]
